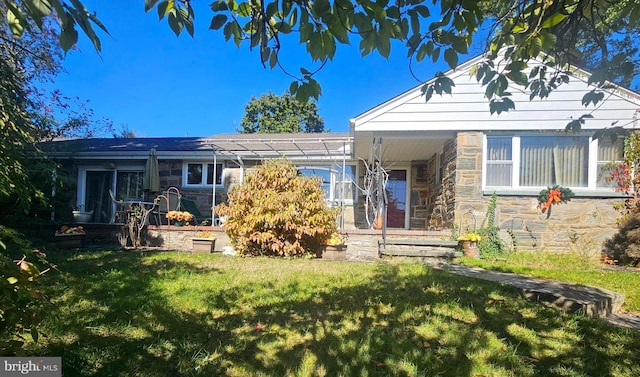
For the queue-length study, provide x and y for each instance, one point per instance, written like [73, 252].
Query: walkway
[591, 301]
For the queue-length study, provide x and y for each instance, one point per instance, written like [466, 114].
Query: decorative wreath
[553, 195]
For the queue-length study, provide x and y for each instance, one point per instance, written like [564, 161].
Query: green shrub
[21, 304]
[491, 244]
[624, 247]
[277, 212]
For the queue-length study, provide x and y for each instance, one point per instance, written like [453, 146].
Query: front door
[396, 198]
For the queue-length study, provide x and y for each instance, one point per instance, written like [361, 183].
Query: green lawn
[168, 314]
[570, 267]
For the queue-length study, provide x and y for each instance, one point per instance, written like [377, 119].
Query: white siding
[468, 109]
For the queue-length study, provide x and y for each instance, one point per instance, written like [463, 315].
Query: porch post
[213, 200]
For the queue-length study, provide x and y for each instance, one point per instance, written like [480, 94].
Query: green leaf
[12, 280]
[68, 37]
[451, 57]
[149, 4]
[427, 90]
[553, 20]
[217, 21]
[293, 87]
[244, 9]
[16, 22]
[423, 11]
[273, 60]
[34, 334]
[162, 9]
[384, 46]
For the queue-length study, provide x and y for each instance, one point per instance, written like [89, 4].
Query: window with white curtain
[609, 153]
[533, 161]
[499, 161]
[550, 160]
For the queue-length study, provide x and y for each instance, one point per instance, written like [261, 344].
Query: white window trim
[590, 190]
[81, 187]
[205, 164]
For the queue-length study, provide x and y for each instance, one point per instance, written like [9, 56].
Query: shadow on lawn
[116, 320]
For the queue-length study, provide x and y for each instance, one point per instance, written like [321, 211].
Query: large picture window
[539, 161]
[335, 187]
[201, 174]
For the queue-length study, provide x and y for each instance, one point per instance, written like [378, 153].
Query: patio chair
[167, 201]
[191, 207]
[120, 213]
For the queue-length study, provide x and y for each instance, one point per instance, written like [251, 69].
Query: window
[129, 184]
[533, 161]
[201, 174]
[334, 186]
[499, 164]
[608, 153]
[551, 160]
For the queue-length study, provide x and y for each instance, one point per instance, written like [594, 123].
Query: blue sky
[159, 85]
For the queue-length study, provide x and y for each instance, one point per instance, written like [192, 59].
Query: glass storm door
[397, 198]
[97, 195]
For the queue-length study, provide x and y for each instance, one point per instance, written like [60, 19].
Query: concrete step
[422, 253]
[416, 242]
[570, 297]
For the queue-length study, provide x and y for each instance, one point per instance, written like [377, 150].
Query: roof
[295, 145]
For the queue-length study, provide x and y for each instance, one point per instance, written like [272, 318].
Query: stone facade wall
[582, 223]
[443, 215]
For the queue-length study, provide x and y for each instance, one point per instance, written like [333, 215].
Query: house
[106, 167]
[443, 159]
[446, 157]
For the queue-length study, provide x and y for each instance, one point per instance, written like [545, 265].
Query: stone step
[570, 297]
[422, 253]
[414, 242]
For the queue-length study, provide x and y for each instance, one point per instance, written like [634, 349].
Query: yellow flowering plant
[470, 236]
[179, 216]
[335, 239]
[205, 234]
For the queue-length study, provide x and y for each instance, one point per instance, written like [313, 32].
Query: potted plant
[335, 247]
[81, 216]
[179, 218]
[70, 237]
[203, 243]
[469, 243]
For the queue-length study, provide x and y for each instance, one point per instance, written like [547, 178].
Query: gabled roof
[468, 109]
[293, 145]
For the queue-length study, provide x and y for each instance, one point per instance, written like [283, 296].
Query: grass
[571, 267]
[168, 314]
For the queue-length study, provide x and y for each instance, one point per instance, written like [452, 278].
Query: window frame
[205, 171]
[515, 188]
[335, 178]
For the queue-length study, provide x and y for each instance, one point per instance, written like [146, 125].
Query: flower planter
[334, 252]
[469, 248]
[203, 245]
[82, 217]
[70, 241]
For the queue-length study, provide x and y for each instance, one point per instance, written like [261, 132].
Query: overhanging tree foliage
[563, 33]
[30, 114]
[277, 114]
